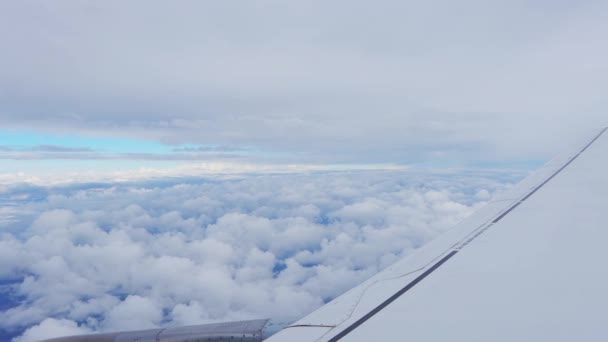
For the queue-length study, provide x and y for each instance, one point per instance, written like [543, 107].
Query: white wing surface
[529, 266]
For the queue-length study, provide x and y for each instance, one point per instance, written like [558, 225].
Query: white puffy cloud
[134, 255]
[134, 311]
[50, 328]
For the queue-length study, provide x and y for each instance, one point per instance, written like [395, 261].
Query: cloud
[55, 148]
[134, 255]
[89, 154]
[44, 148]
[44, 177]
[221, 148]
[50, 328]
[310, 82]
[134, 311]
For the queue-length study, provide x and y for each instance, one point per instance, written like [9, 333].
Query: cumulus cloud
[134, 311]
[50, 328]
[134, 255]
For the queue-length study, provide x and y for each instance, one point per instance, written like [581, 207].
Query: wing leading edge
[527, 266]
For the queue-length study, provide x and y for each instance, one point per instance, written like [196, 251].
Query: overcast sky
[308, 82]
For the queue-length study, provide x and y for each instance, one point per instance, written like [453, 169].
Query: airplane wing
[529, 266]
[246, 331]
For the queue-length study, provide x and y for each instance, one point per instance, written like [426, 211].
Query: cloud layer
[110, 256]
[341, 81]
